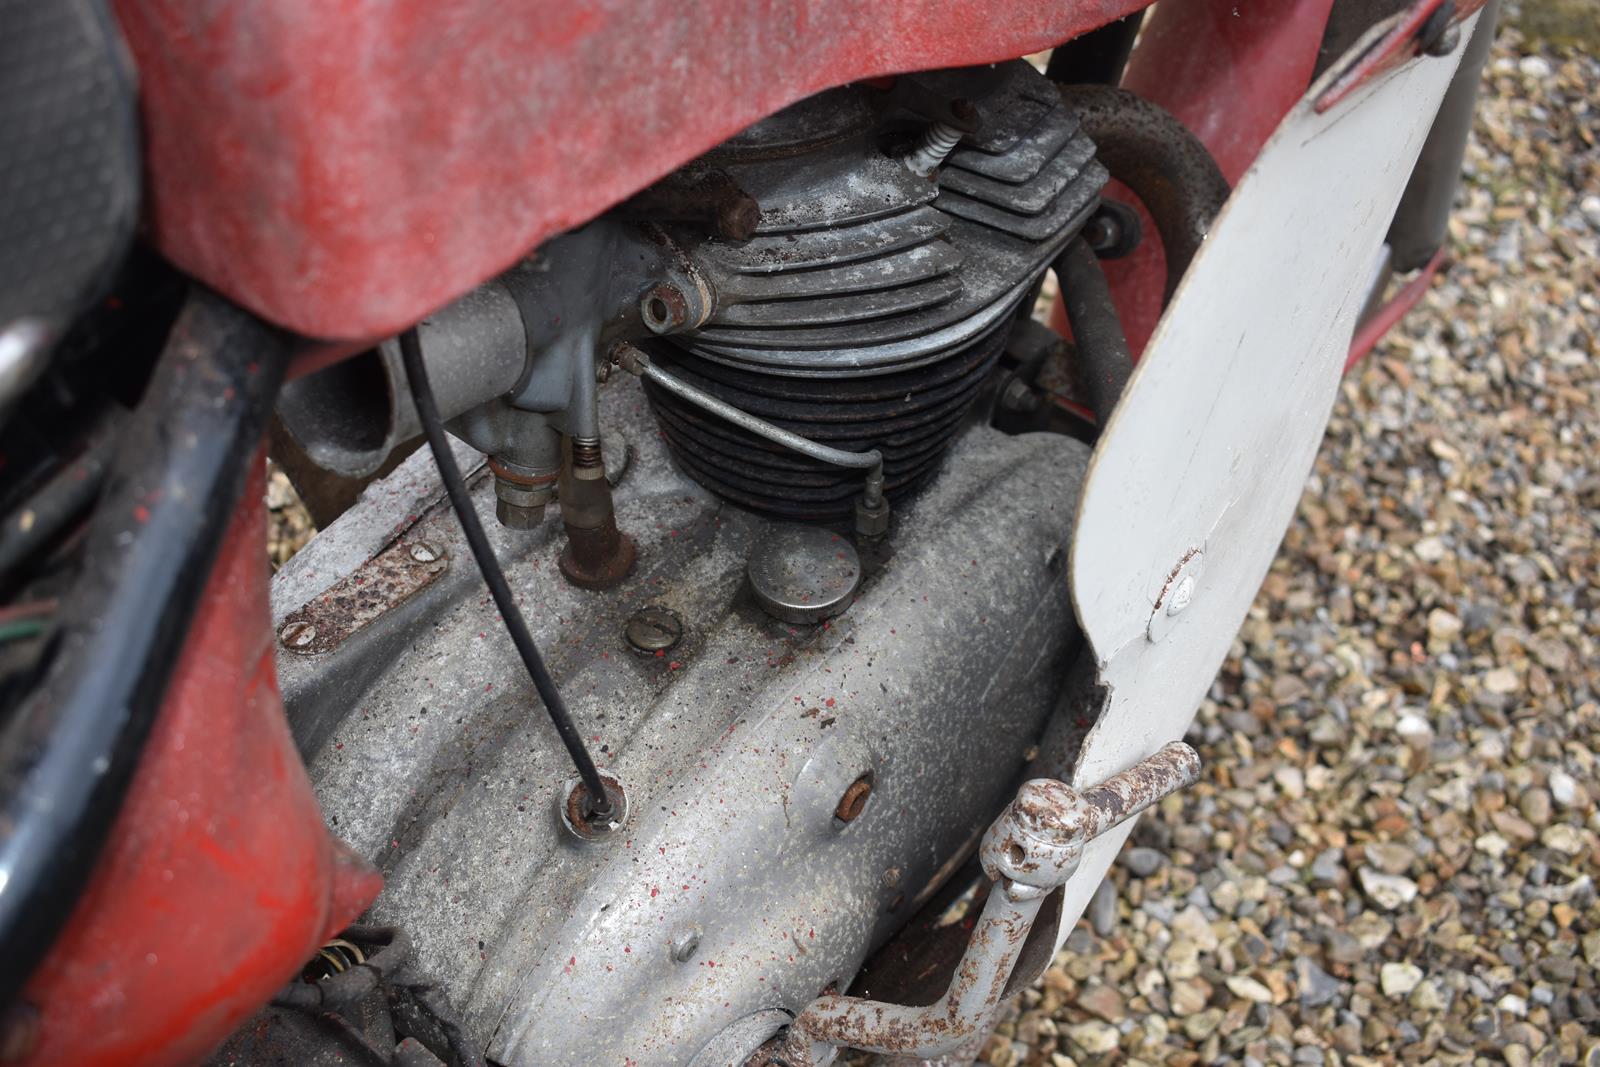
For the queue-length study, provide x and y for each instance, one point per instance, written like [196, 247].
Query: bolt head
[664, 309]
[515, 517]
[685, 945]
[1182, 595]
[854, 800]
[872, 521]
[653, 629]
[297, 635]
[425, 551]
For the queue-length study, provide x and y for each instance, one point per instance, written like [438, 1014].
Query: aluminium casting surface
[732, 892]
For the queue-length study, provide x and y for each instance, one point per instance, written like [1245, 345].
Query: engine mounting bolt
[297, 634]
[653, 629]
[854, 800]
[664, 308]
[1019, 396]
[425, 551]
[685, 945]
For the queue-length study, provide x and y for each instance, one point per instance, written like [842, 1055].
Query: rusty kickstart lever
[1032, 848]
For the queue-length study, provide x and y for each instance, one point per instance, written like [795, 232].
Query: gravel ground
[1392, 855]
[1391, 858]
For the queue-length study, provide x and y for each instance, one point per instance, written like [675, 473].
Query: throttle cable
[456, 488]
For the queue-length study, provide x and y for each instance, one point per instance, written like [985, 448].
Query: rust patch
[378, 586]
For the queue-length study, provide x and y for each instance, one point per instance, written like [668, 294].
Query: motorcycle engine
[872, 301]
[850, 270]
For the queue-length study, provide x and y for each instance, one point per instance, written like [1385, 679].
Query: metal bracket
[1031, 849]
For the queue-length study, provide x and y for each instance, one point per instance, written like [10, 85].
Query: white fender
[1199, 470]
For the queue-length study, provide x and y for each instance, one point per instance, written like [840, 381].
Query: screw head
[425, 551]
[653, 629]
[297, 634]
[685, 945]
[854, 800]
[1182, 595]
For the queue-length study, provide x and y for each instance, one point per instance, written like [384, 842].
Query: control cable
[456, 487]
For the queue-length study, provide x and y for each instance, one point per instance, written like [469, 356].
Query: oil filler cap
[803, 574]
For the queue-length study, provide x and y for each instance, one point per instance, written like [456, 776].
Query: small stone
[1389, 857]
[1534, 67]
[1289, 688]
[1443, 626]
[1094, 1037]
[1427, 997]
[1591, 948]
[1589, 206]
[1398, 979]
[1103, 909]
[1249, 989]
[1142, 862]
[1512, 1004]
[1563, 838]
[1316, 986]
[1189, 996]
[1388, 891]
[1414, 729]
[1327, 869]
[1429, 549]
[1565, 790]
[1535, 806]
[1203, 1024]
[1517, 1056]
[1502, 681]
[1491, 845]
[1104, 1001]
[1192, 924]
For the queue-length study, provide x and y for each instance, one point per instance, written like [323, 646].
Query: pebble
[1388, 891]
[1248, 988]
[1142, 862]
[1399, 979]
[1316, 986]
[1094, 1038]
[1103, 909]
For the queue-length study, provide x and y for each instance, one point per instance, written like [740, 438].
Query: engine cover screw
[425, 551]
[854, 800]
[685, 945]
[297, 634]
[653, 629]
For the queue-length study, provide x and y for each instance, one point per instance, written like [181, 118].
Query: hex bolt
[685, 945]
[1019, 396]
[664, 308]
[653, 629]
[425, 551]
[297, 634]
[854, 799]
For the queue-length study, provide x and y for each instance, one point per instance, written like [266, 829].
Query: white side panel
[1209, 448]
